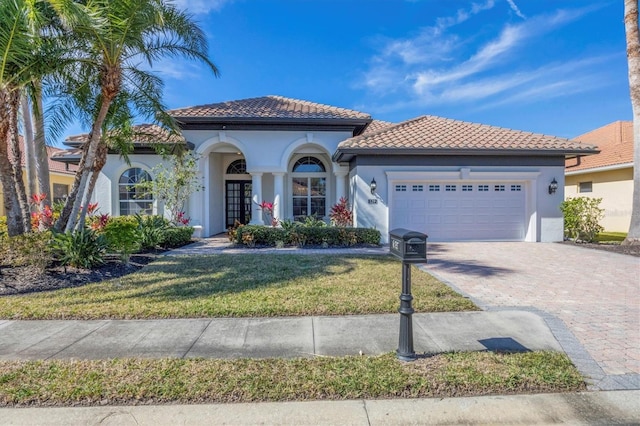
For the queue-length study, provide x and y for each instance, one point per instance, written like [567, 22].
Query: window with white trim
[309, 188]
[401, 188]
[417, 188]
[585, 187]
[498, 188]
[134, 199]
[467, 188]
[434, 188]
[483, 188]
[516, 187]
[450, 188]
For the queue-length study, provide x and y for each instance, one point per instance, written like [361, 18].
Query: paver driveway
[595, 293]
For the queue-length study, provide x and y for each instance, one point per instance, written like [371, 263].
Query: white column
[256, 198]
[340, 185]
[278, 195]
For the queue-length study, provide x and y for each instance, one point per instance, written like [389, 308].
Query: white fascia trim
[599, 169]
[462, 174]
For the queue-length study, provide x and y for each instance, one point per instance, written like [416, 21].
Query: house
[607, 175]
[61, 176]
[452, 180]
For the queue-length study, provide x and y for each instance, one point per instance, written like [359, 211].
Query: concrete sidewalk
[589, 408]
[271, 337]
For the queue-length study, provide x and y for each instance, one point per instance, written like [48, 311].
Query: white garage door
[460, 211]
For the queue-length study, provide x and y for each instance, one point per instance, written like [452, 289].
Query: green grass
[144, 381]
[608, 237]
[242, 286]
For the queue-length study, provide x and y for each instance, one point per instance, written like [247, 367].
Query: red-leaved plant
[340, 213]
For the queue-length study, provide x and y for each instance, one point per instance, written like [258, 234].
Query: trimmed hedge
[258, 235]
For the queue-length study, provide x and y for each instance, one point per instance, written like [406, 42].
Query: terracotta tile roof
[268, 107]
[442, 134]
[54, 166]
[377, 125]
[615, 142]
[145, 134]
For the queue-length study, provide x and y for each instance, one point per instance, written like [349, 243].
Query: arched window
[134, 199]
[238, 167]
[308, 165]
[309, 188]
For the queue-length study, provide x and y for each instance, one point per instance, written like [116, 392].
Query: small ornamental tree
[173, 183]
[581, 218]
[340, 214]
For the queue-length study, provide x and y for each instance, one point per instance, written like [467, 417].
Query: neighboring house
[60, 176]
[452, 180]
[607, 175]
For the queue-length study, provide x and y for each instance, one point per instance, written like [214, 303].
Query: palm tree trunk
[101, 160]
[40, 147]
[89, 155]
[633, 59]
[16, 164]
[15, 225]
[29, 155]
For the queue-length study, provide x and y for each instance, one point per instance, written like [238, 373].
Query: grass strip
[149, 381]
[611, 237]
[242, 286]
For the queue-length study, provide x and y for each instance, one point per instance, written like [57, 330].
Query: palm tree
[633, 59]
[15, 55]
[128, 32]
[26, 40]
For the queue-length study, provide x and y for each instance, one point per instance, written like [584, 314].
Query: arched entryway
[237, 194]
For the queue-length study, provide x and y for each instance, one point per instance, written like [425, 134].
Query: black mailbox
[409, 246]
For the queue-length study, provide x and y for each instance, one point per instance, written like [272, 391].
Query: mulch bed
[630, 250]
[27, 279]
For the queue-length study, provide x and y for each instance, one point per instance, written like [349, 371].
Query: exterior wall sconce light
[373, 185]
[553, 186]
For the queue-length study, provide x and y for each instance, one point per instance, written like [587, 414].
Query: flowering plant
[340, 214]
[267, 208]
[42, 218]
[182, 219]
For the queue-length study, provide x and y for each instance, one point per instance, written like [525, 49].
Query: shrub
[3, 225]
[176, 236]
[340, 214]
[30, 249]
[80, 249]
[581, 218]
[152, 230]
[252, 235]
[123, 236]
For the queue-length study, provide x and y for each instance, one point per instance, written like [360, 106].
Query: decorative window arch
[237, 167]
[309, 188]
[132, 198]
[309, 165]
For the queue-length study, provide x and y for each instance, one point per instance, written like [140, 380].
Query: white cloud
[436, 67]
[197, 7]
[516, 9]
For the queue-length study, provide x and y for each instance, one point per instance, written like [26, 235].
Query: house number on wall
[373, 201]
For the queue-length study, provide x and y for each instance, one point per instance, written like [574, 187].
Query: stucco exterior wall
[615, 187]
[269, 156]
[59, 178]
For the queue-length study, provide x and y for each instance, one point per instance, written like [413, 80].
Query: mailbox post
[410, 247]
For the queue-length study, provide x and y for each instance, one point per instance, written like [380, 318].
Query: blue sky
[550, 66]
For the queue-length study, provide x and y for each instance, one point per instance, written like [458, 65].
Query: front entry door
[238, 200]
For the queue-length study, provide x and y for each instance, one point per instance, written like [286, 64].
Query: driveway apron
[595, 295]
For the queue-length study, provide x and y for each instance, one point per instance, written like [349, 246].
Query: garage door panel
[448, 211]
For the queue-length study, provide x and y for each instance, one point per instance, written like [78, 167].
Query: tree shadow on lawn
[192, 277]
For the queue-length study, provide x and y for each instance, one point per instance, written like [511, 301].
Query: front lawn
[242, 286]
[144, 381]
